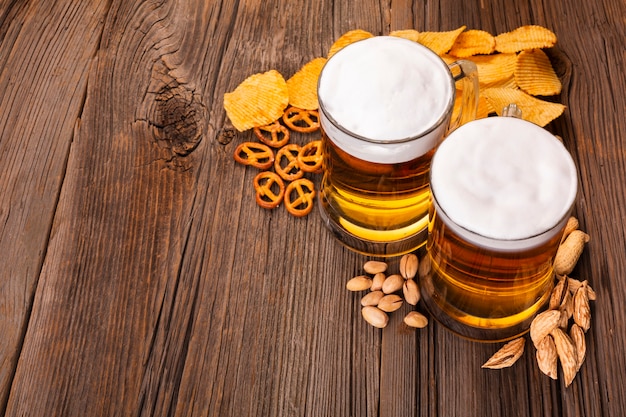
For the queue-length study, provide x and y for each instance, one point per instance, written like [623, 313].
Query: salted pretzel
[303, 191]
[274, 135]
[310, 157]
[291, 171]
[255, 154]
[264, 185]
[300, 120]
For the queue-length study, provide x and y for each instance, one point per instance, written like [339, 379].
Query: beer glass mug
[502, 190]
[385, 105]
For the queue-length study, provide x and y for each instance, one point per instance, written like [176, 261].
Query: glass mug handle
[466, 72]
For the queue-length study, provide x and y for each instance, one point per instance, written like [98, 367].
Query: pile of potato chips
[512, 68]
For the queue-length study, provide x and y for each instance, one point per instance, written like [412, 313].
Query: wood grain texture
[139, 277]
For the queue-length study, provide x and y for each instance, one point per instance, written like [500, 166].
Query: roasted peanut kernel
[416, 319]
[372, 298]
[393, 283]
[374, 267]
[375, 316]
[360, 283]
[377, 281]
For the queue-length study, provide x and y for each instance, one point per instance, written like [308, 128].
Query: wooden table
[138, 277]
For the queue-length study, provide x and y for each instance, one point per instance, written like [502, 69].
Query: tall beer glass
[502, 191]
[385, 105]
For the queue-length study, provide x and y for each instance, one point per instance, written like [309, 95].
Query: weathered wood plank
[95, 343]
[45, 54]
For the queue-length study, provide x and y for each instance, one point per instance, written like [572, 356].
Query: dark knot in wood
[178, 115]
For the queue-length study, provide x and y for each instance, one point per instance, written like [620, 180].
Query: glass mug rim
[503, 244]
[497, 244]
[430, 129]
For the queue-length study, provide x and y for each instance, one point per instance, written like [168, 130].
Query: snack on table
[440, 42]
[410, 34]
[265, 183]
[259, 100]
[348, 38]
[310, 157]
[291, 171]
[278, 134]
[535, 75]
[299, 197]
[473, 42]
[302, 85]
[525, 37]
[300, 120]
[533, 109]
[254, 154]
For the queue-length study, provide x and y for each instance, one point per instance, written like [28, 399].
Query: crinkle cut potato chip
[473, 42]
[533, 109]
[525, 37]
[410, 34]
[495, 67]
[348, 38]
[440, 42]
[302, 85]
[535, 75]
[258, 101]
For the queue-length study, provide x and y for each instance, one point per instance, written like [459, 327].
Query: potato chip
[440, 42]
[473, 42]
[535, 75]
[494, 68]
[303, 85]
[525, 37]
[259, 100]
[533, 109]
[508, 82]
[348, 38]
[410, 34]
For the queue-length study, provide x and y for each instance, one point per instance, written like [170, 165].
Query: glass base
[370, 247]
[435, 302]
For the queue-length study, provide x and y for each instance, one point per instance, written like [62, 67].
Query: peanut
[569, 252]
[408, 266]
[374, 267]
[390, 303]
[415, 319]
[375, 316]
[393, 283]
[360, 283]
[372, 298]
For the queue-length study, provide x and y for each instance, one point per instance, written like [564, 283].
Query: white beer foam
[504, 178]
[385, 89]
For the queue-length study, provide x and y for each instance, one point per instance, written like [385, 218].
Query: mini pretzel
[300, 120]
[255, 154]
[278, 134]
[310, 157]
[302, 203]
[292, 170]
[265, 195]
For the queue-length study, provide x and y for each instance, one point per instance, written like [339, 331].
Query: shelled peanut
[383, 291]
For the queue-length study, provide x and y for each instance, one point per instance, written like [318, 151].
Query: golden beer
[376, 201]
[491, 255]
[385, 105]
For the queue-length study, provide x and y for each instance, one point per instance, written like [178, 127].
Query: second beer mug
[385, 105]
[502, 192]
